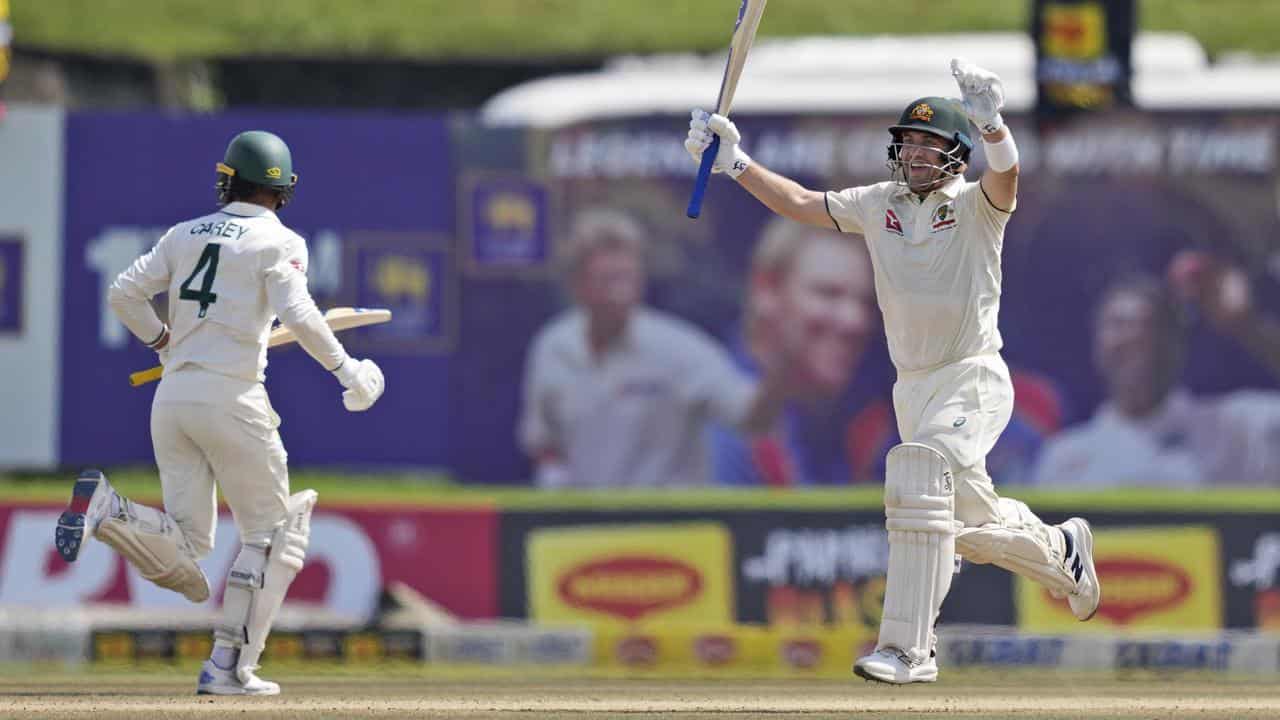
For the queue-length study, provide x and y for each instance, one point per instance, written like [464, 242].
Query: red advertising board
[448, 555]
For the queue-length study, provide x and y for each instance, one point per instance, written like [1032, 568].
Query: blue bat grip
[704, 176]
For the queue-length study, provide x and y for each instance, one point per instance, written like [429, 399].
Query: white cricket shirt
[937, 267]
[227, 274]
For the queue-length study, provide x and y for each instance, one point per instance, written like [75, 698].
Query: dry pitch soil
[370, 694]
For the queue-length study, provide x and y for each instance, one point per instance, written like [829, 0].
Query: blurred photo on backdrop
[817, 283]
[619, 394]
[1151, 429]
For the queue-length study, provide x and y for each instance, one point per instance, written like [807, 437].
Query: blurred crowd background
[508, 177]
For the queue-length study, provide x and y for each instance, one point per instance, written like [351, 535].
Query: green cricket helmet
[256, 158]
[944, 117]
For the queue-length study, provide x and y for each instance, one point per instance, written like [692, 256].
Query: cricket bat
[744, 33]
[338, 319]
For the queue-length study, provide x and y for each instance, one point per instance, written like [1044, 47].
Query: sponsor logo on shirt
[944, 217]
[891, 222]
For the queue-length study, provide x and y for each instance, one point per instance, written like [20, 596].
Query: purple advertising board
[12, 270]
[459, 229]
[1102, 201]
[367, 183]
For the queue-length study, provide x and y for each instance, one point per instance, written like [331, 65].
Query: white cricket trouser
[960, 410]
[209, 428]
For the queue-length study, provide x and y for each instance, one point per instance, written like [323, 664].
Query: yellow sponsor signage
[629, 573]
[511, 211]
[732, 648]
[1077, 31]
[1152, 578]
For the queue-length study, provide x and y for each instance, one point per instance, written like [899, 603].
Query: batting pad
[919, 508]
[260, 578]
[1021, 544]
[156, 546]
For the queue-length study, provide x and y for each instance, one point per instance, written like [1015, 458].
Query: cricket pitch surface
[371, 693]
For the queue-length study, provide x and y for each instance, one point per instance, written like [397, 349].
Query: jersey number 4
[209, 264]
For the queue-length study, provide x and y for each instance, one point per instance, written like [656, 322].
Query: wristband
[1003, 155]
[161, 340]
[741, 161]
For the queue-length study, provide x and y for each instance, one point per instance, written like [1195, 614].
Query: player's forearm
[289, 298]
[1000, 181]
[130, 303]
[785, 196]
[314, 335]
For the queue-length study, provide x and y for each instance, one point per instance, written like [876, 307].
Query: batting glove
[982, 94]
[363, 382]
[731, 159]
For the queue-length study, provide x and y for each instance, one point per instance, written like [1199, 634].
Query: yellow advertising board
[1155, 578]
[631, 573]
[733, 649]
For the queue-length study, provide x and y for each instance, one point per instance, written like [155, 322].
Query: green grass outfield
[425, 691]
[436, 490]
[522, 29]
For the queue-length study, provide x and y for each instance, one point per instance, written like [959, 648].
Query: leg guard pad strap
[1019, 550]
[283, 562]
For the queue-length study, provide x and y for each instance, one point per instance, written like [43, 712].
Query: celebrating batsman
[228, 276]
[935, 244]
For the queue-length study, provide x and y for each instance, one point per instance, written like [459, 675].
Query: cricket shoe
[216, 681]
[892, 666]
[1084, 600]
[91, 500]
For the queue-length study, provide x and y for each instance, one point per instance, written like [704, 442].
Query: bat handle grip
[704, 176]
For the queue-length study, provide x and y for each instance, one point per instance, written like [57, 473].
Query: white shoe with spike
[1087, 596]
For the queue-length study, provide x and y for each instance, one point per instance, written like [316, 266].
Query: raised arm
[1225, 295]
[782, 195]
[983, 98]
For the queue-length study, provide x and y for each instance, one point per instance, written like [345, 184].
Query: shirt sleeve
[536, 429]
[1255, 415]
[129, 296]
[716, 383]
[847, 208]
[285, 279]
[991, 217]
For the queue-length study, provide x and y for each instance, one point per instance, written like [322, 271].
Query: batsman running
[228, 276]
[935, 244]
